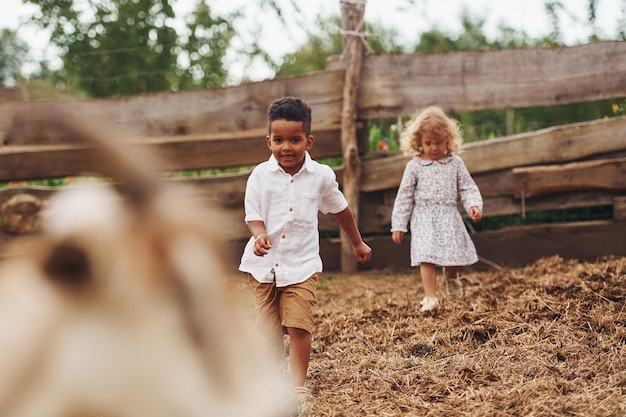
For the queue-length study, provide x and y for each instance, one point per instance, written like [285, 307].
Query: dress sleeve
[405, 200]
[468, 190]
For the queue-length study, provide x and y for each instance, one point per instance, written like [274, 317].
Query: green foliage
[312, 56]
[48, 182]
[121, 47]
[333, 162]
[205, 46]
[489, 124]
[327, 41]
[383, 135]
[12, 55]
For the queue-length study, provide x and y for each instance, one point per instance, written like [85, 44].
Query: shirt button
[283, 236]
[290, 208]
[276, 264]
[291, 181]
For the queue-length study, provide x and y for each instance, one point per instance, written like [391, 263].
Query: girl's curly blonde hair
[434, 120]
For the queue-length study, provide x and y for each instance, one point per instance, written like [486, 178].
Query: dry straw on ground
[545, 340]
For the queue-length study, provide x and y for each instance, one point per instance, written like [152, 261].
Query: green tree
[120, 47]
[12, 55]
[202, 49]
[327, 41]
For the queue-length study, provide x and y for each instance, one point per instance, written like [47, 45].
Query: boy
[283, 197]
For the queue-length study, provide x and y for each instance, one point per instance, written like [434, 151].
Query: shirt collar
[308, 163]
[426, 162]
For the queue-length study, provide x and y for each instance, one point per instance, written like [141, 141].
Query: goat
[120, 306]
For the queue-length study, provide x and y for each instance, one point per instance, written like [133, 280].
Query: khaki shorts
[282, 307]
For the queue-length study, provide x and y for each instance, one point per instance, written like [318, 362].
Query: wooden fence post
[352, 14]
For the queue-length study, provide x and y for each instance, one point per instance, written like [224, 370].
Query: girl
[427, 196]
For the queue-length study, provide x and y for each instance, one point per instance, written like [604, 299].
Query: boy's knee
[296, 333]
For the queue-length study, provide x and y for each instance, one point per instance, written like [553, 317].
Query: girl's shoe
[428, 303]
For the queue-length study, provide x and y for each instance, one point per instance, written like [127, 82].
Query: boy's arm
[346, 221]
[262, 242]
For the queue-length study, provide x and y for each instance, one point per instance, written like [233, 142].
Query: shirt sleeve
[468, 190]
[405, 200]
[253, 202]
[332, 199]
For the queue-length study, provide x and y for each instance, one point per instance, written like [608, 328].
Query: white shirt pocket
[308, 204]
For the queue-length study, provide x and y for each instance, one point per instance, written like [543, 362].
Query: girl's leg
[429, 279]
[450, 271]
[299, 354]
[453, 283]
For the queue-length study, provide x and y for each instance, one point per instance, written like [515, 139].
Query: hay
[548, 339]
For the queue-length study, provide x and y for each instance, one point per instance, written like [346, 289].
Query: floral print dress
[427, 198]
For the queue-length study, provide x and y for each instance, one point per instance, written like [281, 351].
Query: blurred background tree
[122, 47]
[13, 52]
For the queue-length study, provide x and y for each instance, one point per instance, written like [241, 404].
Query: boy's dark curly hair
[292, 109]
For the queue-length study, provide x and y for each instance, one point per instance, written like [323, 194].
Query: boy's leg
[266, 300]
[297, 303]
[299, 354]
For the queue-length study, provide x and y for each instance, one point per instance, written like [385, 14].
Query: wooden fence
[578, 165]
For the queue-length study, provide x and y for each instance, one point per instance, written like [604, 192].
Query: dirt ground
[548, 339]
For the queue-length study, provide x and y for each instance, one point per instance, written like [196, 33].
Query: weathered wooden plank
[525, 244]
[619, 208]
[376, 207]
[398, 84]
[507, 248]
[507, 205]
[213, 110]
[557, 144]
[539, 180]
[176, 153]
[494, 183]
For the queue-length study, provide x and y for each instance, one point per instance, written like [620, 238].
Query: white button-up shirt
[288, 206]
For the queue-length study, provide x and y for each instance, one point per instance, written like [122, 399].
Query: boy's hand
[397, 237]
[262, 244]
[475, 214]
[363, 252]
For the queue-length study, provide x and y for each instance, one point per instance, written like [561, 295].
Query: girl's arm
[397, 236]
[471, 199]
[346, 221]
[405, 199]
[475, 213]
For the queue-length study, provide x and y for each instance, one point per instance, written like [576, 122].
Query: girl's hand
[475, 213]
[262, 244]
[397, 237]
